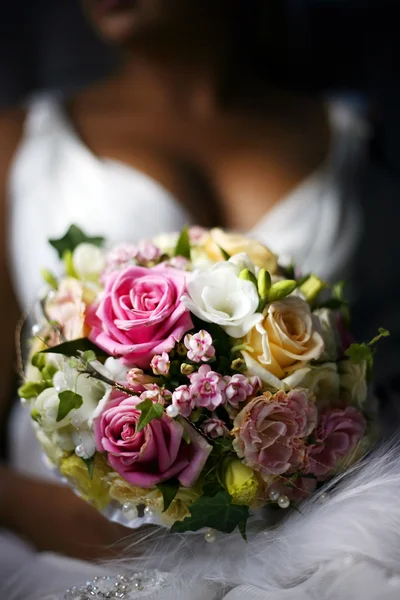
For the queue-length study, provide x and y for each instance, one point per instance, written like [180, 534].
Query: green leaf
[224, 253]
[68, 401]
[49, 278]
[281, 289]
[72, 239]
[89, 462]
[149, 411]
[169, 490]
[31, 389]
[216, 512]
[242, 529]
[73, 348]
[212, 488]
[359, 353]
[35, 415]
[381, 334]
[223, 445]
[182, 247]
[89, 355]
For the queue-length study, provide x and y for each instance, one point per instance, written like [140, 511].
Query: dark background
[350, 47]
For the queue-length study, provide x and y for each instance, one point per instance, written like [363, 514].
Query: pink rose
[140, 314]
[337, 434]
[269, 431]
[155, 454]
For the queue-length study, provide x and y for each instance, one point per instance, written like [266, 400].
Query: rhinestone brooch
[119, 586]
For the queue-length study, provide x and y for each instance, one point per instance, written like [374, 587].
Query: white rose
[217, 295]
[329, 333]
[88, 261]
[322, 380]
[353, 382]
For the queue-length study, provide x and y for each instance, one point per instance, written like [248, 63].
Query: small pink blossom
[119, 258]
[182, 399]
[215, 428]
[179, 262]
[147, 252]
[337, 434]
[197, 234]
[199, 346]
[207, 388]
[156, 394]
[238, 389]
[270, 431]
[160, 364]
[136, 377]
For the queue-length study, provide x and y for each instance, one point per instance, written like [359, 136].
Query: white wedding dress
[56, 181]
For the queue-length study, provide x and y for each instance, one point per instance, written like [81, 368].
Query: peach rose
[234, 243]
[287, 339]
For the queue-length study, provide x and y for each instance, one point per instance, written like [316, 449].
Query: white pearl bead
[36, 329]
[51, 295]
[148, 512]
[210, 536]
[130, 511]
[80, 451]
[274, 495]
[324, 497]
[172, 411]
[283, 502]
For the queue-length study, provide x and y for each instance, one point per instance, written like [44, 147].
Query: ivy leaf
[89, 356]
[68, 401]
[381, 334]
[224, 253]
[222, 445]
[38, 360]
[359, 353]
[89, 462]
[73, 348]
[149, 410]
[212, 488]
[169, 489]
[72, 239]
[182, 247]
[217, 512]
[31, 389]
[242, 529]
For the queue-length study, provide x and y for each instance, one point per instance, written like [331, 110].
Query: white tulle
[345, 546]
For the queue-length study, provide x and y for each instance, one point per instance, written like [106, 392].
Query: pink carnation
[147, 252]
[155, 454]
[269, 430]
[207, 388]
[140, 314]
[337, 435]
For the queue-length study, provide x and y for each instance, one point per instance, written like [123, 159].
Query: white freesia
[88, 261]
[353, 382]
[329, 333]
[322, 380]
[217, 295]
[243, 261]
[50, 444]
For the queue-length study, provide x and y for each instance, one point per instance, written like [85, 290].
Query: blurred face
[119, 21]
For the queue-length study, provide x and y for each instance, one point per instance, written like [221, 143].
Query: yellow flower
[241, 483]
[284, 341]
[94, 490]
[234, 243]
[122, 491]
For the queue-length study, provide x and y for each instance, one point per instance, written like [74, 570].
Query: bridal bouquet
[190, 379]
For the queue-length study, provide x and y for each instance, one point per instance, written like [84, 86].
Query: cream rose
[353, 382]
[322, 380]
[287, 338]
[234, 243]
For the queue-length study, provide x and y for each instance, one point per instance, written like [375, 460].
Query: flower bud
[263, 283]
[238, 364]
[240, 482]
[281, 289]
[247, 275]
[312, 287]
[187, 369]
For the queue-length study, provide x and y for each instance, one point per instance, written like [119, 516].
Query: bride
[186, 132]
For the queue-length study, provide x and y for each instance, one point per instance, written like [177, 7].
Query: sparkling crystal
[119, 586]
